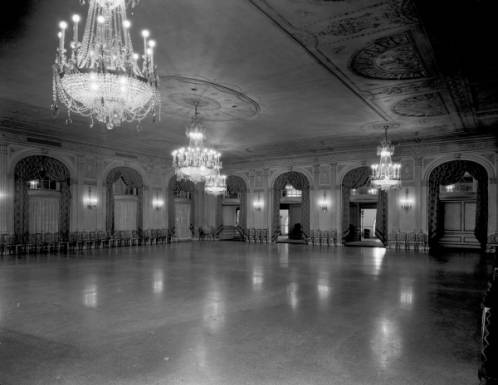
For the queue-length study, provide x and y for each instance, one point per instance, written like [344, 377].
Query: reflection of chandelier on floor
[216, 184]
[196, 162]
[386, 174]
[101, 76]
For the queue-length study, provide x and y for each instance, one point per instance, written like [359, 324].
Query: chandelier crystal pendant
[386, 174]
[101, 76]
[196, 162]
[216, 184]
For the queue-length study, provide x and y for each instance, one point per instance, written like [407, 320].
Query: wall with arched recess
[131, 178]
[491, 169]
[448, 173]
[356, 178]
[174, 186]
[299, 181]
[36, 167]
[236, 185]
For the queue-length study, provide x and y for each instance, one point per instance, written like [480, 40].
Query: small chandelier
[196, 162]
[101, 76]
[386, 174]
[216, 184]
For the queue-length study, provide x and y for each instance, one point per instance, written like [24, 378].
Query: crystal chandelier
[101, 76]
[386, 173]
[216, 184]
[196, 162]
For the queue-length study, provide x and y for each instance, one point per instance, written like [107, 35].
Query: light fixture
[323, 203]
[34, 184]
[101, 76]
[157, 202]
[216, 184]
[450, 188]
[386, 174]
[406, 202]
[372, 191]
[90, 200]
[258, 203]
[196, 162]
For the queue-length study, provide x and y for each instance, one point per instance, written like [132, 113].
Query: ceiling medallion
[386, 174]
[101, 76]
[196, 162]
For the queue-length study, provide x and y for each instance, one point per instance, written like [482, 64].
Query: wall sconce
[157, 202]
[323, 203]
[90, 200]
[258, 203]
[406, 202]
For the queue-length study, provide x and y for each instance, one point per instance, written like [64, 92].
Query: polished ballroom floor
[233, 313]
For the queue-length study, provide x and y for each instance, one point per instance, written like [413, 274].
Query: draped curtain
[132, 179]
[450, 173]
[299, 182]
[31, 168]
[175, 186]
[356, 178]
[237, 185]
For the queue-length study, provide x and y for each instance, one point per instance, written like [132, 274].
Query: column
[334, 199]
[417, 177]
[5, 197]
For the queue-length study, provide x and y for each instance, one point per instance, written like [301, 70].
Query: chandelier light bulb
[59, 35]
[152, 43]
[145, 33]
[101, 19]
[76, 18]
[62, 25]
[127, 24]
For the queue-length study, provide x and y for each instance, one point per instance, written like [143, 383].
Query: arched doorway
[458, 205]
[232, 208]
[42, 197]
[181, 207]
[298, 209]
[124, 200]
[357, 201]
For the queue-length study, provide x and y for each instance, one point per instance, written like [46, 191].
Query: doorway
[368, 217]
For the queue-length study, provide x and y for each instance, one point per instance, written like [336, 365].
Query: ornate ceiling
[274, 77]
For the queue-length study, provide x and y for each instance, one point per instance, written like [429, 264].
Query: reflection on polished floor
[231, 313]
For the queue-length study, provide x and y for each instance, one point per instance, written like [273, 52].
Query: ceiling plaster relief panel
[379, 50]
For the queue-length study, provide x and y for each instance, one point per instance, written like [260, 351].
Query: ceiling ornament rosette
[393, 57]
[421, 106]
[217, 102]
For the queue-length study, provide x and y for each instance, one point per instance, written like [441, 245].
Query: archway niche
[181, 207]
[42, 198]
[355, 180]
[124, 200]
[297, 181]
[235, 200]
[469, 205]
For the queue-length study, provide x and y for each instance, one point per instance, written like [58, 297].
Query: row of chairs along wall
[80, 240]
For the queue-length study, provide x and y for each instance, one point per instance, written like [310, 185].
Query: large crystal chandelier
[216, 184]
[101, 76]
[386, 173]
[196, 162]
